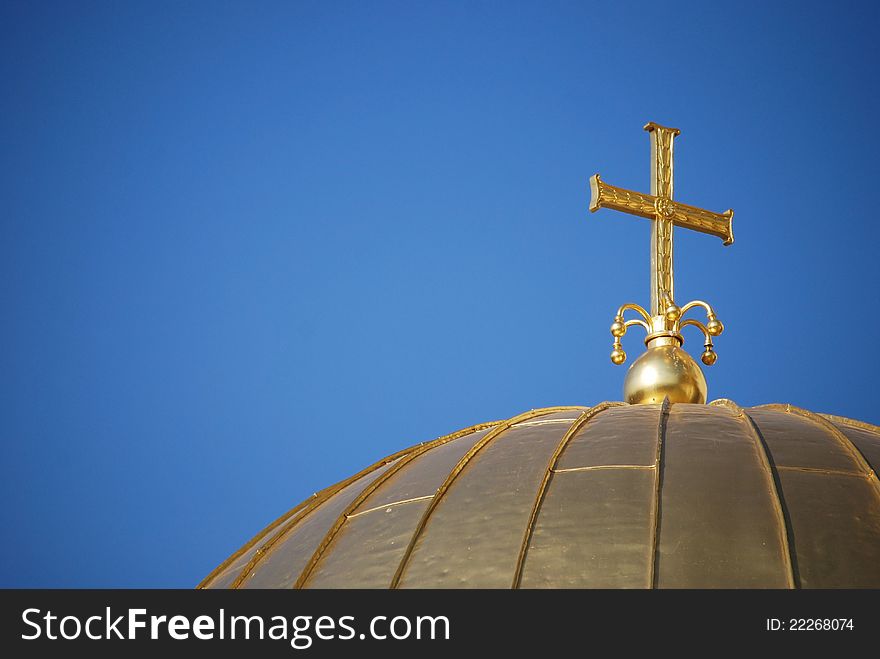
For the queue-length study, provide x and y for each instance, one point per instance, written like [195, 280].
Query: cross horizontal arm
[699, 219]
[604, 195]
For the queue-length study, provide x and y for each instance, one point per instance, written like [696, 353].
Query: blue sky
[249, 248]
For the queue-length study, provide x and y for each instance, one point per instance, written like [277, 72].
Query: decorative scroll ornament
[661, 373]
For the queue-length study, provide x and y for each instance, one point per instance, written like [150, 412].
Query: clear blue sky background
[248, 248]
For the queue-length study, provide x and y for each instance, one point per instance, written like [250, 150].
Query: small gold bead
[618, 329]
[715, 327]
[709, 357]
[673, 313]
[618, 356]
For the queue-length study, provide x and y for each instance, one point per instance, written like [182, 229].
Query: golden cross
[663, 211]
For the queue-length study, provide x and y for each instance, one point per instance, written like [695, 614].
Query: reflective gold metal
[665, 321]
[664, 371]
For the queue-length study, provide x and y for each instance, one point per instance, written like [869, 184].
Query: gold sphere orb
[673, 313]
[618, 356]
[618, 329]
[664, 371]
[715, 327]
[709, 357]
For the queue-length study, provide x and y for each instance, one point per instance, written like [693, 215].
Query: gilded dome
[613, 496]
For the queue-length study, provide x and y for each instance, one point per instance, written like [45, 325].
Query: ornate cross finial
[665, 321]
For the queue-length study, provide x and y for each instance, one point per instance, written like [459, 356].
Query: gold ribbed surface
[610, 496]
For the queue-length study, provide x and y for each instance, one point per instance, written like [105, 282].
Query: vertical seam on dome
[204, 583]
[658, 490]
[314, 499]
[573, 429]
[848, 445]
[786, 533]
[311, 504]
[456, 470]
[331, 534]
[784, 520]
[863, 425]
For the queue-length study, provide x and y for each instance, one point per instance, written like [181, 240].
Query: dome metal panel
[290, 554]
[375, 534]
[472, 536]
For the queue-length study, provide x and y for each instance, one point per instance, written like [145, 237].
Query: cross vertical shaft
[661, 229]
